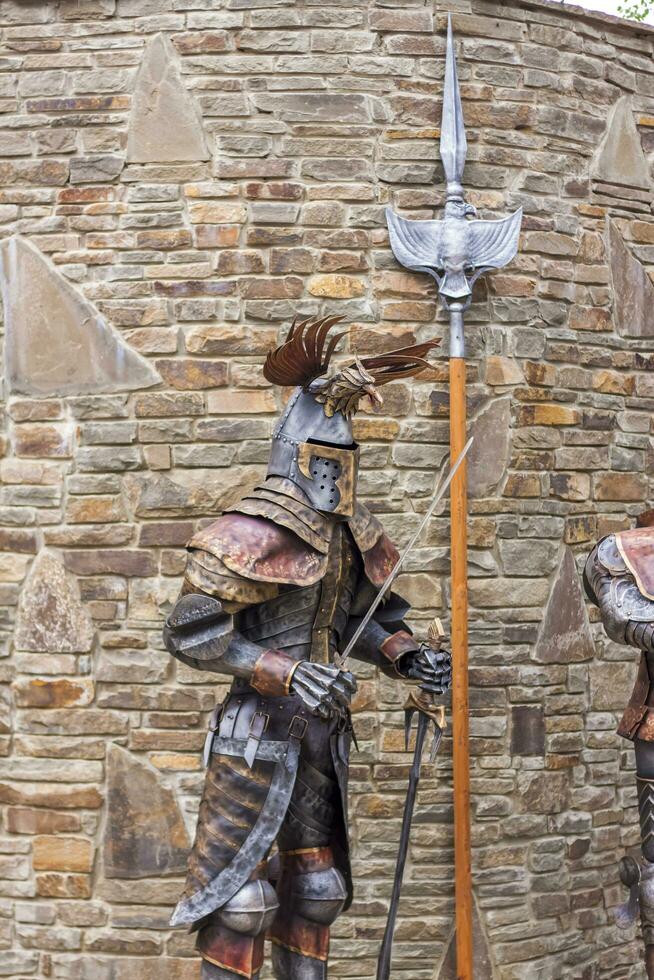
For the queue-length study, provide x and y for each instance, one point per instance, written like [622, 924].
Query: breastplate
[309, 622]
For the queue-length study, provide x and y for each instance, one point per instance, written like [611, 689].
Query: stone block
[59, 853]
[61, 693]
[633, 307]
[528, 730]
[489, 454]
[337, 286]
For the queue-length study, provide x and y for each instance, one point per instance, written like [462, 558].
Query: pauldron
[610, 582]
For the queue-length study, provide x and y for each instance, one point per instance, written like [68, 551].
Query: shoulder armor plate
[257, 548]
[609, 556]
[637, 549]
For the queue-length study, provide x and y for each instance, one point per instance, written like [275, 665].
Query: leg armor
[645, 783]
[312, 893]
[231, 939]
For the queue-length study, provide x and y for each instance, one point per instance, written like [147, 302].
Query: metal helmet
[317, 452]
[313, 445]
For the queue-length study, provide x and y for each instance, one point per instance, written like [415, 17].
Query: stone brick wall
[179, 177]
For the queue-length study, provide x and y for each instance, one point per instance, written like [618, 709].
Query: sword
[427, 712]
[397, 568]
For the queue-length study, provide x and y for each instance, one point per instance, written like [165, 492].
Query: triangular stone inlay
[481, 953]
[489, 453]
[57, 343]
[165, 124]
[50, 616]
[633, 292]
[144, 833]
[565, 635]
[619, 158]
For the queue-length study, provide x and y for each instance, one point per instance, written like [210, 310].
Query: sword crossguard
[422, 702]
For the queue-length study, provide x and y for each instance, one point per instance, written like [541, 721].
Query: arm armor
[201, 634]
[627, 615]
[386, 638]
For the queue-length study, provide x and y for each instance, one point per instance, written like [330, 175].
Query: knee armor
[251, 910]
[232, 938]
[318, 896]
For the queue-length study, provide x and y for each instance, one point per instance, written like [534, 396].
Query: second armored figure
[619, 578]
[273, 590]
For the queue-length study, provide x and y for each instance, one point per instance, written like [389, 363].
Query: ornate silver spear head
[454, 251]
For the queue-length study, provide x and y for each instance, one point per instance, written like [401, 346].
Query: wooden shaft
[460, 720]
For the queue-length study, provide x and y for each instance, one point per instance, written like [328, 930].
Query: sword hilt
[424, 701]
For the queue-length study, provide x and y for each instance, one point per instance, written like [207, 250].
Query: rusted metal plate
[259, 549]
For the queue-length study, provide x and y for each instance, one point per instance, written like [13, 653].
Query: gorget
[281, 501]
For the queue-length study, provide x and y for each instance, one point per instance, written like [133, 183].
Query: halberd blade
[454, 146]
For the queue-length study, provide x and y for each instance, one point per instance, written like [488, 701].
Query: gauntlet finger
[326, 671]
[341, 694]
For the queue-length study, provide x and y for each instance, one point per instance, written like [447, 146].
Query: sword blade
[397, 568]
[384, 961]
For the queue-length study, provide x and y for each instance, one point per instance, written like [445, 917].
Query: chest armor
[309, 622]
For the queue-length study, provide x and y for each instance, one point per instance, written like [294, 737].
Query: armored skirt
[293, 796]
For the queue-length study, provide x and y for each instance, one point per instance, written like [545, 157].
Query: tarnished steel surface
[638, 718]
[198, 628]
[627, 612]
[252, 909]
[637, 549]
[281, 502]
[284, 622]
[609, 556]
[206, 573]
[312, 811]
[336, 589]
[309, 622]
[244, 810]
[380, 560]
[283, 512]
[260, 549]
[365, 527]
[252, 836]
[304, 429]
[288, 965]
[288, 494]
[311, 894]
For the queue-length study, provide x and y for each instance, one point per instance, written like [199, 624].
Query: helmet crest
[306, 353]
[313, 444]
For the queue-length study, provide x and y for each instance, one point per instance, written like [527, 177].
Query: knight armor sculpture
[273, 590]
[619, 579]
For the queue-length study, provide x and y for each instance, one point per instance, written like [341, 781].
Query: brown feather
[302, 357]
[405, 362]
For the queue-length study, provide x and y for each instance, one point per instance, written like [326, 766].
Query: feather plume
[305, 354]
[405, 362]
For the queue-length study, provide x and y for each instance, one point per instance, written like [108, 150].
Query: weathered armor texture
[616, 580]
[619, 579]
[273, 591]
[270, 586]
